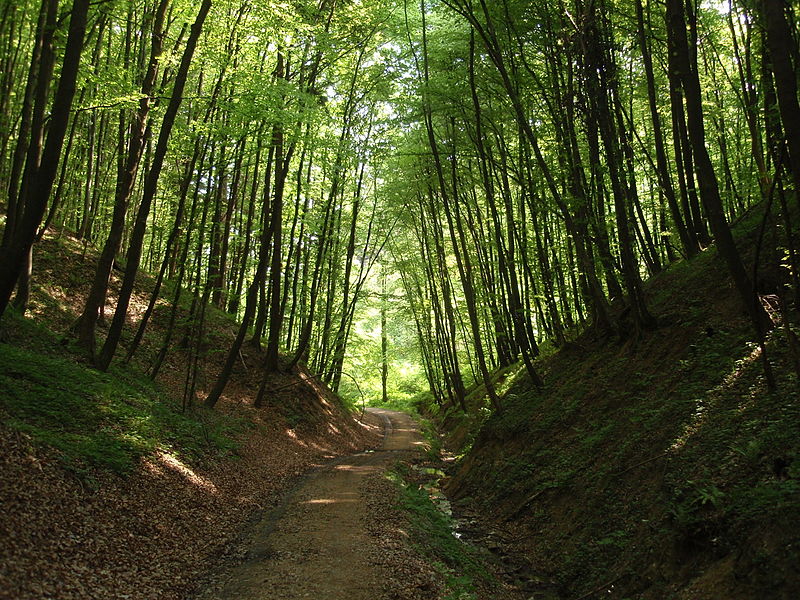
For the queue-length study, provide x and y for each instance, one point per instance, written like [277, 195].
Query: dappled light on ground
[174, 464]
[710, 399]
[292, 435]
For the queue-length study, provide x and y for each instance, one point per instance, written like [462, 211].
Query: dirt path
[316, 544]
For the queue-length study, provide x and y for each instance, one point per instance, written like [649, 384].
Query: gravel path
[317, 544]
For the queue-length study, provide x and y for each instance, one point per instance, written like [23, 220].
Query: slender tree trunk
[662, 170]
[462, 259]
[780, 41]
[384, 342]
[87, 322]
[39, 73]
[249, 312]
[150, 187]
[283, 157]
[169, 251]
[601, 75]
[527, 346]
[706, 177]
[323, 243]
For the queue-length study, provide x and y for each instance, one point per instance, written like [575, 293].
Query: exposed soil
[317, 543]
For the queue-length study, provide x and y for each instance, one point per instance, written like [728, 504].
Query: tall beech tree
[783, 58]
[150, 186]
[124, 190]
[686, 71]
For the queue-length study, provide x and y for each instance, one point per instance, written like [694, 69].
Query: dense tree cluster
[516, 168]
[560, 153]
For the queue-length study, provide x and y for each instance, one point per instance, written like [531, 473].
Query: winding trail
[316, 544]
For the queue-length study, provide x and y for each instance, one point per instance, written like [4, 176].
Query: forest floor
[155, 531]
[114, 486]
[340, 535]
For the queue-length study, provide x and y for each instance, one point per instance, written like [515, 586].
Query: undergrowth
[432, 535]
[102, 420]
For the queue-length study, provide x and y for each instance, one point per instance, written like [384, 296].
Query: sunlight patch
[329, 501]
[699, 416]
[174, 464]
[290, 433]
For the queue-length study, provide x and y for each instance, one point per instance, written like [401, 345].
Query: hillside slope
[654, 468]
[113, 486]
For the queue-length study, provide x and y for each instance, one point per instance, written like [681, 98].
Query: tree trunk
[39, 74]
[662, 166]
[706, 177]
[34, 202]
[779, 40]
[150, 187]
[87, 322]
[384, 343]
[601, 76]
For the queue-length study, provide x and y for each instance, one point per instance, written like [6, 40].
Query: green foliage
[432, 533]
[433, 445]
[102, 420]
[750, 450]
[396, 402]
[766, 497]
[695, 500]
[618, 538]
[406, 385]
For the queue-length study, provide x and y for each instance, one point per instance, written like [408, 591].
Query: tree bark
[662, 165]
[87, 322]
[779, 40]
[686, 73]
[34, 203]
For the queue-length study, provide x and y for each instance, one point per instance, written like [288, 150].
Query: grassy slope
[100, 420]
[656, 469]
[109, 420]
[108, 482]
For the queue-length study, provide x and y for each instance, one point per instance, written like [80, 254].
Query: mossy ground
[108, 420]
[93, 419]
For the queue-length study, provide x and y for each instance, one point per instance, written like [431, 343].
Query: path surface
[316, 545]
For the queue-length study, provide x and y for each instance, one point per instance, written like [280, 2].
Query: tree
[33, 204]
[686, 72]
[151, 183]
[780, 42]
[124, 190]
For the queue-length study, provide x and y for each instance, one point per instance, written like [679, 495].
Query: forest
[417, 204]
[496, 176]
